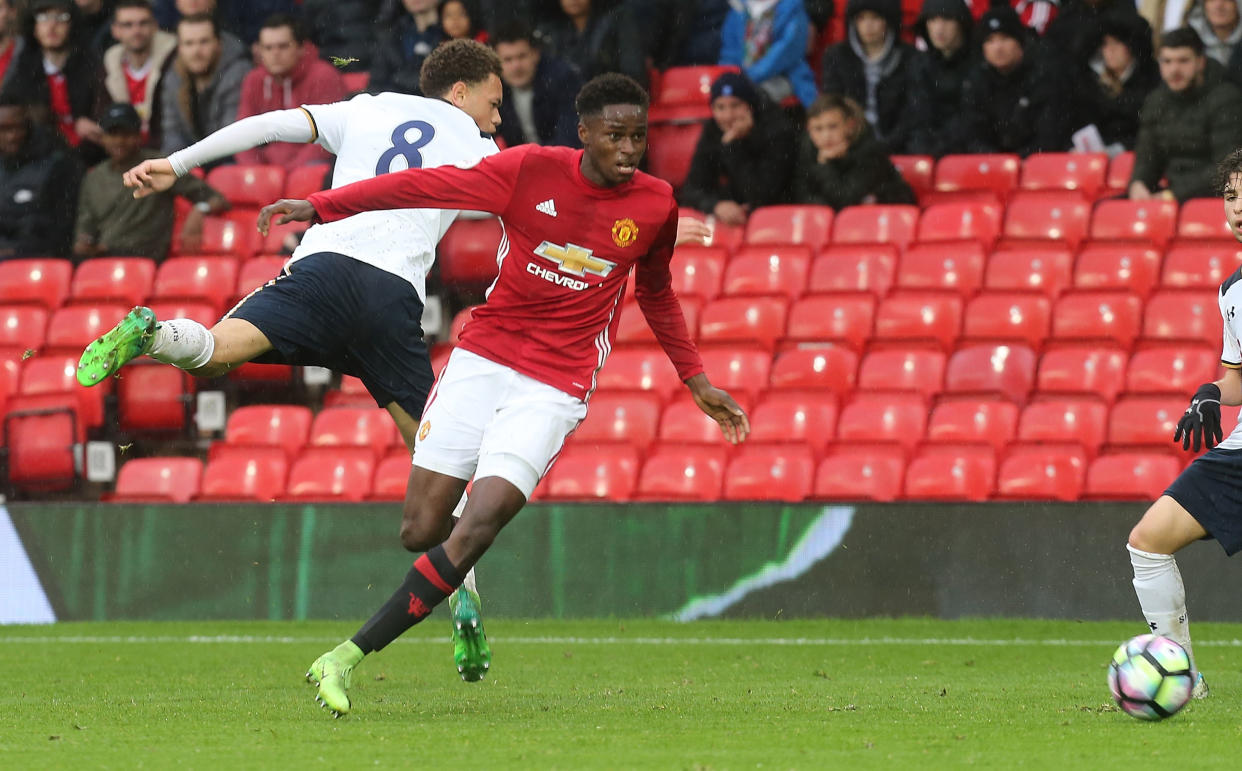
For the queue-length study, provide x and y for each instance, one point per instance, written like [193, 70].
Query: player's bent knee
[422, 529]
[473, 537]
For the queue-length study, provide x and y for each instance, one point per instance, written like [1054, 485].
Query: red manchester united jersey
[568, 248]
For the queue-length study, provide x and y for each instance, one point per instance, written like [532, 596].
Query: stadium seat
[973, 420]
[854, 268]
[645, 367]
[633, 326]
[42, 440]
[352, 393]
[1082, 420]
[271, 425]
[770, 472]
[241, 473]
[468, 251]
[1153, 221]
[1182, 314]
[1131, 266]
[355, 82]
[997, 173]
[248, 186]
[890, 417]
[903, 369]
[620, 416]
[57, 374]
[274, 242]
[846, 318]
[860, 472]
[698, 271]
[919, 316]
[304, 180]
[11, 373]
[951, 266]
[1120, 168]
[1145, 420]
[916, 170]
[1114, 316]
[211, 280]
[802, 415]
[685, 93]
[681, 420]
[354, 427]
[40, 281]
[459, 322]
[1084, 172]
[595, 471]
[1014, 316]
[670, 147]
[1200, 265]
[680, 472]
[875, 224]
[73, 327]
[256, 272]
[806, 225]
[1082, 368]
[174, 480]
[960, 222]
[1173, 368]
[331, 474]
[1042, 472]
[830, 367]
[1130, 476]
[233, 235]
[125, 280]
[767, 270]
[1038, 217]
[1008, 370]
[950, 473]
[739, 369]
[154, 398]
[24, 326]
[1047, 271]
[392, 474]
[1202, 218]
[202, 312]
[744, 319]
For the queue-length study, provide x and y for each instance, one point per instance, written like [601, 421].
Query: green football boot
[471, 653]
[332, 672]
[128, 340]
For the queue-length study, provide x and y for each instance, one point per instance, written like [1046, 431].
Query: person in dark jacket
[1075, 32]
[1187, 124]
[539, 90]
[1116, 79]
[937, 76]
[406, 35]
[683, 32]
[745, 155]
[595, 39]
[39, 179]
[872, 67]
[839, 161]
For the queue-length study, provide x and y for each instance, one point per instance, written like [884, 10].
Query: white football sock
[1158, 584]
[468, 582]
[183, 343]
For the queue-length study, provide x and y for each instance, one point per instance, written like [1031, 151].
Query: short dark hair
[1183, 37]
[514, 31]
[1228, 167]
[143, 5]
[278, 20]
[201, 18]
[465, 60]
[849, 109]
[609, 88]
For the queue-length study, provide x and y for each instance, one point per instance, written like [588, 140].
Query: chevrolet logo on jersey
[574, 259]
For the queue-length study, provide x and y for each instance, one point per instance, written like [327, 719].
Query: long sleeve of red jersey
[653, 288]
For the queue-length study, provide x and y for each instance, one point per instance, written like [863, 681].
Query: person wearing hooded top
[1119, 74]
[39, 179]
[201, 91]
[745, 155]
[1075, 32]
[872, 67]
[767, 39]
[1219, 24]
[937, 75]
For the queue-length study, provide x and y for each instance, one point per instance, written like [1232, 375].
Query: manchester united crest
[624, 232]
[424, 429]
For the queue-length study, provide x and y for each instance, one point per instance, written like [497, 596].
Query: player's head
[1229, 185]
[612, 125]
[466, 74]
[1182, 59]
[14, 125]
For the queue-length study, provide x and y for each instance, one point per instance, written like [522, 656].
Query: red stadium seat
[875, 224]
[210, 280]
[42, 438]
[1082, 369]
[248, 186]
[698, 271]
[11, 372]
[1182, 314]
[1200, 265]
[1131, 266]
[256, 272]
[354, 427]
[854, 268]
[1130, 476]
[240, 473]
[1145, 420]
[744, 319]
[916, 170]
[680, 472]
[468, 251]
[670, 147]
[1018, 316]
[960, 222]
[737, 368]
[1036, 270]
[903, 369]
[126, 280]
[1047, 217]
[202, 312]
[24, 326]
[1114, 316]
[768, 270]
[843, 318]
[792, 224]
[860, 472]
[950, 473]
[1042, 472]
[355, 81]
[770, 472]
[57, 374]
[891, 417]
[391, 477]
[304, 180]
[646, 368]
[1008, 370]
[910, 316]
[353, 393]
[1084, 172]
[1120, 169]
[681, 420]
[331, 474]
[1175, 368]
[73, 327]
[620, 416]
[40, 281]
[595, 471]
[233, 235]
[154, 398]
[831, 367]
[805, 415]
[1203, 218]
[997, 173]
[685, 93]
[274, 243]
[633, 326]
[973, 420]
[174, 480]
[955, 267]
[1153, 221]
[284, 426]
[988, 198]
[1058, 420]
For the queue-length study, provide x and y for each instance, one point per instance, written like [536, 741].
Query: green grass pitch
[907, 693]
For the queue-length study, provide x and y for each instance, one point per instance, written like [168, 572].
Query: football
[1150, 677]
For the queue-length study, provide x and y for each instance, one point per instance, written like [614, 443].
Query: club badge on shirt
[624, 232]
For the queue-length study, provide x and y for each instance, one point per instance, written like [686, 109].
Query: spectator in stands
[170, 12]
[1188, 123]
[134, 67]
[95, 25]
[11, 41]
[840, 163]
[1014, 100]
[1219, 24]
[1075, 32]
[745, 155]
[539, 90]
[406, 36]
[595, 39]
[872, 67]
[344, 29]
[683, 33]
[38, 185]
[1117, 78]
[767, 39]
[202, 90]
[290, 74]
[460, 19]
[239, 19]
[937, 75]
[112, 222]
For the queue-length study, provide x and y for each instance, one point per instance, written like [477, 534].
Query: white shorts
[484, 419]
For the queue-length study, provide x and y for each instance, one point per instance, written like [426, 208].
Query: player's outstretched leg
[471, 653]
[331, 672]
[128, 340]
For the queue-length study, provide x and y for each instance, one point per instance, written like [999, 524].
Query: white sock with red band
[183, 343]
[1158, 584]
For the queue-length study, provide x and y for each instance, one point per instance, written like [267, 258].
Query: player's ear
[582, 132]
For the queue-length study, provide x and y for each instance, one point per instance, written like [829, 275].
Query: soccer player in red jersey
[576, 222]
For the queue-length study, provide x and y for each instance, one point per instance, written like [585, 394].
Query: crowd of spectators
[824, 92]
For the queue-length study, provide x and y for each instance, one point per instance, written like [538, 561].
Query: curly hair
[606, 89]
[464, 60]
[1228, 167]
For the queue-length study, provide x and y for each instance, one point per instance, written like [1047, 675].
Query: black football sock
[429, 582]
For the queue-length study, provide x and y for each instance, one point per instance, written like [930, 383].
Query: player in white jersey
[1205, 501]
[351, 297]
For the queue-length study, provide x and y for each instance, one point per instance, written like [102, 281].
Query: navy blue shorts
[329, 310]
[1211, 490]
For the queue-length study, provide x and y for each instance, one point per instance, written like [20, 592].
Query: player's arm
[1200, 424]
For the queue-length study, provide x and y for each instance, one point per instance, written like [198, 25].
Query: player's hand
[289, 209]
[691, 231]
[720, 407]
[153, 176]
[1201, 422]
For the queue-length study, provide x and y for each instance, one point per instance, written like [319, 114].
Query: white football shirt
[1231, 350]
[373, 135]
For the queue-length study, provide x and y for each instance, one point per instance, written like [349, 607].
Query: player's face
[1180, 67]
[52, 28]
[1233, 204]
[518, 61]
[134, 28]
[1002, 52]
[480, 101]
[13, 130]
[198, 47]
[615, 141]
[279, 51]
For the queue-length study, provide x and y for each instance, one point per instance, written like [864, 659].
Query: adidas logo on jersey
[548, 207]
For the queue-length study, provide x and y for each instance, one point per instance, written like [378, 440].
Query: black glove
[1202, 419]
